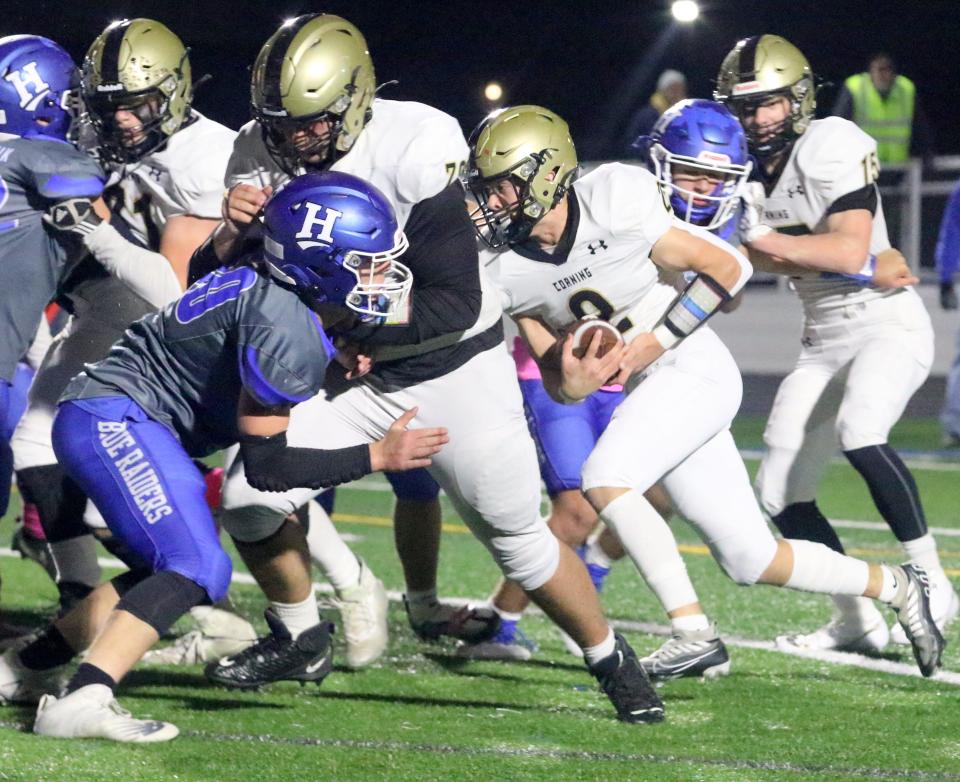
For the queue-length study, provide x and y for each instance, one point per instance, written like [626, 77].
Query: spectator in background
[948, 258]
[884, 104]
[671, 88]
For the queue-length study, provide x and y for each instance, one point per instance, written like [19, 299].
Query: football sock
[595, 555]
[923, 551]
[689, 624]
[892, 488]
[48, 650]
[89, 674]
[297, 617]
[328, 550]
[594, 654]
[817, 568]
[891, 584]
[650, 543]
[804, 521]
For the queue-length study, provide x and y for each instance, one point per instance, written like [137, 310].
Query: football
[583, 331]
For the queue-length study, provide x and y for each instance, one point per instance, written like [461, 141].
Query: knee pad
[414, 485]
[251, 523]
[59, 500]
[529, 557]
[161, 599]
[743, 558]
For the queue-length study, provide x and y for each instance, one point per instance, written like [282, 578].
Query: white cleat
[518, 647]
[944, 605]
[93, 713]
[363, 618]
[866, 632]
[220, 633]
[19, 684]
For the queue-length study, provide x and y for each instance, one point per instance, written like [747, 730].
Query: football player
[865, 350]
[264, 158]
[683, 387]
[38, 168]
[442, 351]
[225, 363]
[166, 162]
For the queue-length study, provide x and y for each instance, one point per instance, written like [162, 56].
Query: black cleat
[912, 606]
[277, 657]
[694, 653]
[471, 624]
[627, 685]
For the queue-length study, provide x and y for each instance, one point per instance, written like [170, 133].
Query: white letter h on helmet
[314, 218]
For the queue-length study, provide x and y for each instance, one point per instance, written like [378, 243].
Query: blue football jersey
[185, 366]
[34, 174]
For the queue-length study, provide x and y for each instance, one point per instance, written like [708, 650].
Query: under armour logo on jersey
[796, 191]
[597, 245]
[155, 173]
[320, 216]
[28, 76]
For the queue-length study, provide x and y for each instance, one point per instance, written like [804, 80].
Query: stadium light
[493, 92]
[685, 10]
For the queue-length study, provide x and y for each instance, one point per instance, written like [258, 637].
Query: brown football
[583, 331]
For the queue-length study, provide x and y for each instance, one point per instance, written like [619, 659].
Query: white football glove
[752, 226]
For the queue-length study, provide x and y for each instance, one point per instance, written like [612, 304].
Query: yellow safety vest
[888, 120]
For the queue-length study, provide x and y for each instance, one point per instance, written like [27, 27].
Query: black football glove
[73, 216]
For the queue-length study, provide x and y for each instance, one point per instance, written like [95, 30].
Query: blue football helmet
[38, 81]
[703, 137]
[336, 238]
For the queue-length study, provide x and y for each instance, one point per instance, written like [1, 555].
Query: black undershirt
[445, 298]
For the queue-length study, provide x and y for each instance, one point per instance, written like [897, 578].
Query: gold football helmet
[315, 68]
[137, 65]
[761, 67]
[529, 146]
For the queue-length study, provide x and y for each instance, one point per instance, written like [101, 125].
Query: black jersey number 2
[588, 302]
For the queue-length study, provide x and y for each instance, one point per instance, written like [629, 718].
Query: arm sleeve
[948, 242]
[443, 259]
[271, 465]
[146, 273]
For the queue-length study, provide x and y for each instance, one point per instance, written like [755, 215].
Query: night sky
[595, 63]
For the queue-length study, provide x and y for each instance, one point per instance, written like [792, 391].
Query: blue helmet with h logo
[336, 238]
[37, 82]
[705, 139]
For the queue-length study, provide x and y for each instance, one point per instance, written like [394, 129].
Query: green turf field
[422, 714]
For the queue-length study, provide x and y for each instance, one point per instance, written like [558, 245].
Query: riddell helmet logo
[320, 216]
[109, 87]
[713, 157]
[746, 86]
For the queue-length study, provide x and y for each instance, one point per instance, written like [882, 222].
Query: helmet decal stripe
[748, 57]
[110, 59]
[278, 53]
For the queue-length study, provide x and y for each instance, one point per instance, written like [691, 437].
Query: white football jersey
[185, 177]
[602, 265]
[410, 151]
[831, 159]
